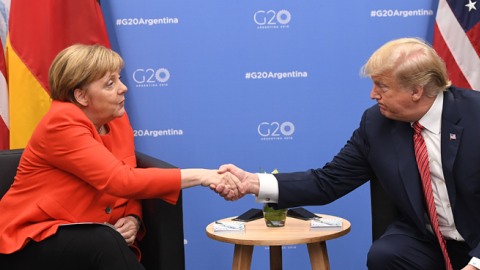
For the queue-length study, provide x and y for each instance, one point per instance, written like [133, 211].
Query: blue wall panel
[196, 98]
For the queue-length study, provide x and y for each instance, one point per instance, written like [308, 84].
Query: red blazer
[69, 173]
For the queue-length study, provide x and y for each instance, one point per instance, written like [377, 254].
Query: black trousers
[82, 247]
[404, 252]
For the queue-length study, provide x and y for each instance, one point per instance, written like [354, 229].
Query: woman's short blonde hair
[79, 65]
[411, 62]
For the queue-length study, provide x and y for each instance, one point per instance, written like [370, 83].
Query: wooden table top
[294, 232]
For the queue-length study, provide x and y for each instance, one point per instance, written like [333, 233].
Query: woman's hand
[128, 226]
[233, 186]
[203, 177]
[250, 183]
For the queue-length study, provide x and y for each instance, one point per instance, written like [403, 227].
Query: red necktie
[424, 168]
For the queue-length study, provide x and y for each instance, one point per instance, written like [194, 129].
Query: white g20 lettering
[261, 17]
[286, 128]
[159, 78]
[146, 76]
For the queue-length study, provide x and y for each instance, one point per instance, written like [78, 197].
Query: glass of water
[274, 218]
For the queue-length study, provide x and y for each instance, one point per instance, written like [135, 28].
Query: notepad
[228, 227]
[326, 224]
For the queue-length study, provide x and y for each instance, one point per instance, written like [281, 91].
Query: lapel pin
[453, 136]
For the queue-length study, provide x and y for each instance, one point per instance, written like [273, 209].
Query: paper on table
[326, 224]
[228, 227]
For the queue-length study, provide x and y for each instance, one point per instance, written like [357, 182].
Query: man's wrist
[255, 184]
[268, 189]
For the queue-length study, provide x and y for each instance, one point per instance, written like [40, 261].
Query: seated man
[421, 141]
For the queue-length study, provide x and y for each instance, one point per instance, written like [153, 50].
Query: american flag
[4, 107]
[457, 40]
[4, 113]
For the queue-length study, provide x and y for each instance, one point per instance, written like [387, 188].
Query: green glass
[274, 218]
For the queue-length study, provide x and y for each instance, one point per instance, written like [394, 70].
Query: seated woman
[79, 167]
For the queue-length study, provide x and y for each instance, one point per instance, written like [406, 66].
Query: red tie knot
[418, 127]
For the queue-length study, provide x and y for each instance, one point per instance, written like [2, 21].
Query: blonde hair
[411, 62]
[79, 65]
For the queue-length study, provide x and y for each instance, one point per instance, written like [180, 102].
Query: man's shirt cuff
[475, 262]
[268, 192]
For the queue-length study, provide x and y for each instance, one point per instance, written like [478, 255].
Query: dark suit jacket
[384, 147]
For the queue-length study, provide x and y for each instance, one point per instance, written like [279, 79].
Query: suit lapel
[403, 140]
[451, 137]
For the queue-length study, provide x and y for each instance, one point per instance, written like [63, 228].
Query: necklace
[100, 130]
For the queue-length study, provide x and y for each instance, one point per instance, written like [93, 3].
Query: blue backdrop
[270, 84]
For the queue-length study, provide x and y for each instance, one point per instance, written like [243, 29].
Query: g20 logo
[271, 129]
[261, 17]
[146, 75]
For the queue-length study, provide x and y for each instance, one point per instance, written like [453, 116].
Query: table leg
[242, 257]
[275, 257]
[318, 256]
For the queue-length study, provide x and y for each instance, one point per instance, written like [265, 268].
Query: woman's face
[106, 98]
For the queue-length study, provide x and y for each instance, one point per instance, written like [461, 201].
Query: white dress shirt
[432, 122]
[432, 137]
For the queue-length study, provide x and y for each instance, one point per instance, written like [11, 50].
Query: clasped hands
[236, 183]
[128, 227]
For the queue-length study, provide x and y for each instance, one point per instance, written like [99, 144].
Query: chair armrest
[162, 247]
[384, 210]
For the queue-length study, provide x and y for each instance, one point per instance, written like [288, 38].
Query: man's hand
[250, 182]
[128, 227]
[233, 186]
[469, 267]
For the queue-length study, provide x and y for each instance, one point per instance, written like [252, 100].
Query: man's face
[395, 103]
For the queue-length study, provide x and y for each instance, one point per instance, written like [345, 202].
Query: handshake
[232, 183]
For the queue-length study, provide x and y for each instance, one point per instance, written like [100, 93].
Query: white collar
[432, 120]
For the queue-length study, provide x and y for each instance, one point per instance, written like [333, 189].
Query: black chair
[162, 247]
[384, 210]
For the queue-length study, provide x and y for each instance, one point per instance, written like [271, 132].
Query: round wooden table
[295, 232]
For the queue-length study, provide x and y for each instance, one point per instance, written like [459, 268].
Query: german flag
[38, 31]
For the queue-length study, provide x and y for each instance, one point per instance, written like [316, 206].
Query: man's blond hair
[411, 62]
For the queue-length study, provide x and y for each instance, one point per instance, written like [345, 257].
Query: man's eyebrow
[379, 80]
